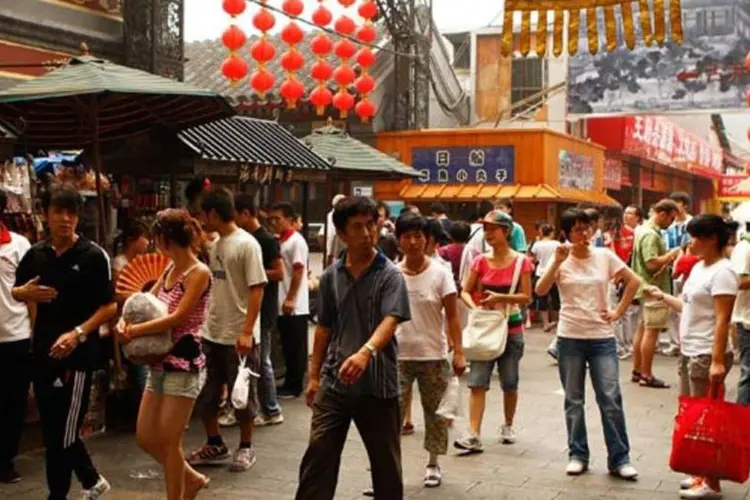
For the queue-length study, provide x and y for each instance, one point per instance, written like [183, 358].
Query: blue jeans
[601, 357]
[269, 403]
[743, 388]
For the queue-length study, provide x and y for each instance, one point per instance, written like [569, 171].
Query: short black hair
[460, 232]
[285, 208]
[384, 206]
[504, 203]
[570, 218]
[195, 187]
[437, 208]
[593, 214]
[244, 202]
[435, 230]
[3, 201]
[221, 201]
[666, 205]
[638, 211]
[546, 229]
[707, 225]
[352, 206]
[409, 221]
[64, 196]
[681, 197]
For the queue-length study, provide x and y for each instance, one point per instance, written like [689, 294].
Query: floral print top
[186, 354]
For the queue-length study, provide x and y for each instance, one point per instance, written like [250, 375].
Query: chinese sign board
[613, 174]
[734, 186]
[660, 140]
[576, 170]
[480, 165]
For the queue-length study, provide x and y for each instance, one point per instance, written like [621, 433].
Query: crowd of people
[392, 308]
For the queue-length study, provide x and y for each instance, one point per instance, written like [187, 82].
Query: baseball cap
[499, 218]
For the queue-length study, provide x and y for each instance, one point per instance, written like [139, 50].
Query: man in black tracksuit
[68, 278]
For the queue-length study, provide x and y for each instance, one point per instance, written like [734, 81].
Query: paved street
[531, 469]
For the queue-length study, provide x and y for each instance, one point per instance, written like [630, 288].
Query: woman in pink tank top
[174, 384]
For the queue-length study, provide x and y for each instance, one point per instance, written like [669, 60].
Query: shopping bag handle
[716, 391]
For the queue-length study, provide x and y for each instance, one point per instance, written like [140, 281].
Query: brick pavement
[531, 469]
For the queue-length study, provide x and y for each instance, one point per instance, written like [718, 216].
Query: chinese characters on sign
[480, 165]
[576, 170]
[660, 140]
[734, 186]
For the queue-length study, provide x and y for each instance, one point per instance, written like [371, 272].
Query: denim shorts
[181, 384]
[508, 366]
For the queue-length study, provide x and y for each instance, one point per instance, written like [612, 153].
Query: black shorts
[549, 302]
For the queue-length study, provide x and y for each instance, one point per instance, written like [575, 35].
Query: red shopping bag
[711, 439]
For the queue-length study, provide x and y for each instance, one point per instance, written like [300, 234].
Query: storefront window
[528, 77]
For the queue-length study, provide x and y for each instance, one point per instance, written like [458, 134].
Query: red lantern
[345, 49]
[292, 60]
[343, 101]
[365, 57]
[293, 7]
[321, 98]
[234, 7]
[262, 50]
[365, 109]
[322, 16]
[321, 45]
[345, 26]
[264, 20]
[367, 34]
[292, 34]
[368, 9]
[234, 68]
[234, 38]
[321, 70]
[344, 75]
[262, 81]
[347, 3]
[292, 91]
[364, 84]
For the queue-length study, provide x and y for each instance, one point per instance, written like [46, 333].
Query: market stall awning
[92, 98]
[241, 139]
[517, 192]
[350, 156]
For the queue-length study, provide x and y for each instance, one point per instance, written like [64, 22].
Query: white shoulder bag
[486, 333]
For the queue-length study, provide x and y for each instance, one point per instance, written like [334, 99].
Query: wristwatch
[371, 348]
[80, 334]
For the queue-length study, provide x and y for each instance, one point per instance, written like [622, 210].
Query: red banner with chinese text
[734, 186]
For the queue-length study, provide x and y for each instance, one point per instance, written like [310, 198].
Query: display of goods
[141, 274]
[146, 349]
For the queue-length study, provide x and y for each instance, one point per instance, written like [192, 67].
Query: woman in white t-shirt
[423, 343]
[706, 304]
[543, 252]
[585, 337]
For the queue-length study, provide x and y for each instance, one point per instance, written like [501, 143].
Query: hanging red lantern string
[365, 84]
[345, 49]
[321, 70]
[263, 51]
[292, 61]
[234, 67]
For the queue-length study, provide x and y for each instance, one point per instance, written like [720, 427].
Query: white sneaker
[507, 435]
[703, 490]
[576, 467]
[100, 489]
[265, 421]
[227, 419]
[625, 471]
[690, 482]
[433, 477]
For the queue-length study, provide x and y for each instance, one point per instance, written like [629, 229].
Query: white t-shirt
[543, 251]
[294, 253]
[236, 263]
[15, 324]
[741, 265]
[474, 247]
[698, 318]
[583, 286]
[423, 336]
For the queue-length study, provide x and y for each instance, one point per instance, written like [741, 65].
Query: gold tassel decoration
[648, 35]
[675, 21]
[610, 25]
[628, 25]
[574, 31]
[659, 27]
[506, 44]
[525, 41]
[557, 39]
[541, 34]
[592, 33]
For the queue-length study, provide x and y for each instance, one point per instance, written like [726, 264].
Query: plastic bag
[711, 439]
[450, 406]
[241, 389]
[147, 349]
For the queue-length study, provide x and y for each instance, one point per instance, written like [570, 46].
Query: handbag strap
[516, 275]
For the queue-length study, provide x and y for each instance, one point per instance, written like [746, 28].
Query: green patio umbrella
[90, 100]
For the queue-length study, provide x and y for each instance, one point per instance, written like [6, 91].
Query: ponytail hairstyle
[133, 231]
[710, 225]
[177, 227]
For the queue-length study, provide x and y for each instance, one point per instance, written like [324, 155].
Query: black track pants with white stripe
[63, 399]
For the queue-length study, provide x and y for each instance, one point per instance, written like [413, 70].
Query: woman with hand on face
[586, 338]
[174, 384]
[488, 285]
[706, 304]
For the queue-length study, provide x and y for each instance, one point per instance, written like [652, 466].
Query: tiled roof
[250, 140]
[348, 154]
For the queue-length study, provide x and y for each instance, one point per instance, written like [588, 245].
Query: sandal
[653, 383]
[635, 377]
[407, 429]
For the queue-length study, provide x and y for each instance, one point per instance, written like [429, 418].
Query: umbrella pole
[96, 160]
